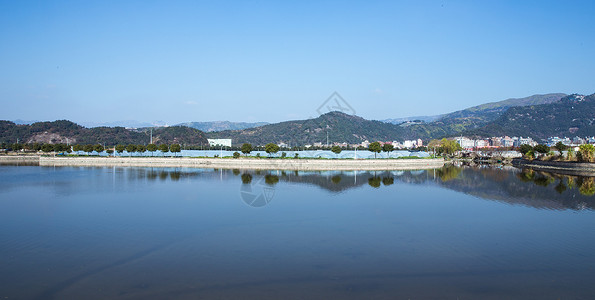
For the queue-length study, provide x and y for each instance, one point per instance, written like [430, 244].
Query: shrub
[236, 154]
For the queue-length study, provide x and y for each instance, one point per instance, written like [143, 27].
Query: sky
[180, 61]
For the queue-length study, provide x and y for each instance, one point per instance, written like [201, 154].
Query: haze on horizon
[275, 61]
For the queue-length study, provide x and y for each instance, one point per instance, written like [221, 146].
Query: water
[153, 233]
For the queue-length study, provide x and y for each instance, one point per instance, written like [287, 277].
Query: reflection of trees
[271, 179]
[587, 186]
[448, 172]
[175, 175]
[388, 180]
[374, 182]
[561, 187]
[336, 179]
[246, 178]
[527, 175]
[543, 180]
[236, 172]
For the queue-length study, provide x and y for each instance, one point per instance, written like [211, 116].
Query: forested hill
[573, 115]
[64, 131]
[339, 126]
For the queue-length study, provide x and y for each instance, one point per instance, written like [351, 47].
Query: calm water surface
[152, 233]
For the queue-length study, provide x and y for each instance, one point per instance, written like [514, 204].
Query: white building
[219, 142]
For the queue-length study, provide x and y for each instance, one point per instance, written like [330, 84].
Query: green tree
[246, 148]
[152, 148]
[561, 147]
[388, 148]
[47, 148]
[236, 154]
[88, 148]
[175, 148]
[141, 149]
[76, 148]
[120, 148]
[98, 148]
[336, 150]
[375, 147]
[163, 148]
[109, 151]
[586, 152]
[524, 148]
[541, 148]
[130, 149]
[449, 147]
[271, 148]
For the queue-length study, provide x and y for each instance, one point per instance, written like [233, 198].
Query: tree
[236, 154]
[246, 148]
[375, 147]
[76, 148]
[524, 148]
[449, 147]
[586, 152]
[163, 148]
[120, 148]
[88, 148]
[152, 148]
[561, 147]
[109, 151]
[388, 148]
[47, 148]
[336, 150]
[543, 149]
[175, 148]
[271, 148]
[98, 148]
[130, 148]
[141, 149]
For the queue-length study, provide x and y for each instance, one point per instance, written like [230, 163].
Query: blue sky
[179, 61]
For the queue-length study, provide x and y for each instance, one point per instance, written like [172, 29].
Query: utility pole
[151, 141]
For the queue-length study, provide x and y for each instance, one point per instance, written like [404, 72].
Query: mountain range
[537, 116]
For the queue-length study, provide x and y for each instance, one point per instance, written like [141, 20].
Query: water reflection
[527, 187]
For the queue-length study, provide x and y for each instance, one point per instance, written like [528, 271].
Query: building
[219, 142]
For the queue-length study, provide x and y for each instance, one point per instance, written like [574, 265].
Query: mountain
[221, 125]
[339, 126]
[474, 117]
[425, 119]
[64, 131]
[123, 123]
[573, 115]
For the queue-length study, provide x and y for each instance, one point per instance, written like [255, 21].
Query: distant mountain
[458, 122]
[573, 115]
[425, 119]
[339, 126]
[64, 131]
[221, 125]
[123, 123]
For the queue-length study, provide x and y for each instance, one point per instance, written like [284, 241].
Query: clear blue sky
[277, 60]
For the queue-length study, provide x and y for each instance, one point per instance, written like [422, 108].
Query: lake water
[152, 233]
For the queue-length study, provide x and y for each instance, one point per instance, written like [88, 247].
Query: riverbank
[555, 165]
[245, 163]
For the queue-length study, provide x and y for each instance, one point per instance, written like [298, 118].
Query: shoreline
[555, 165]
[231, 163]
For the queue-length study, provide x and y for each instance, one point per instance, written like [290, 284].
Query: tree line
[90, 148]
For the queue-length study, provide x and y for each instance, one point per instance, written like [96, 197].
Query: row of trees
[272, 148]
[585, 153]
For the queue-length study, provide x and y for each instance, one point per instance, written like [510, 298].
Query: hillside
[64, 131]
[573, 115]
[221, 125]
[339, 126]
[461, 121]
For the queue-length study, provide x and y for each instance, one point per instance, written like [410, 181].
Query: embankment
[555, 165]
[247, 163]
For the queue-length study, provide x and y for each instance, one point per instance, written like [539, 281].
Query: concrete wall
[247, 163]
